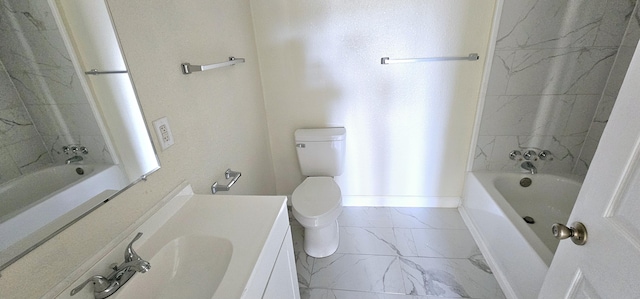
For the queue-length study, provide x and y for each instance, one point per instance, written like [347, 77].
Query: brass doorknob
[577, 233]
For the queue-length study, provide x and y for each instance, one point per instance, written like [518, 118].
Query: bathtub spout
[73, 159]
[528, 166]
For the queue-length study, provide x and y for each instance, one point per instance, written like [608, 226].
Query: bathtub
[35, 205]
[493, 207]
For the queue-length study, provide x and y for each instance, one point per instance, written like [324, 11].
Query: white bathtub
[493, 206]
[30, 203]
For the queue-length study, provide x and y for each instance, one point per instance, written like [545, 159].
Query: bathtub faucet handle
[515, 155]
[545, 155]
[530, 155]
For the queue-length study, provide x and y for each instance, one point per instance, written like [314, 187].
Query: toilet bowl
[316, 204]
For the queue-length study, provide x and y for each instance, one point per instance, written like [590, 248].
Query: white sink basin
[188, 267]
[200, 246]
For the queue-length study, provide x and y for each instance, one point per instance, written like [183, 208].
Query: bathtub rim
[97, 168]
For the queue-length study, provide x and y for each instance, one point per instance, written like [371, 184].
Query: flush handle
[577, 233]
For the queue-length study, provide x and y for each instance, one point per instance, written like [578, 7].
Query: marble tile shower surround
[556, 65]
[396, 253]
[43, 106]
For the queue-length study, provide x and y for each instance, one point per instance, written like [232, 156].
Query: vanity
[206, 246]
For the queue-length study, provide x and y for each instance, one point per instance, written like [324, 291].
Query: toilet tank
[321, 151]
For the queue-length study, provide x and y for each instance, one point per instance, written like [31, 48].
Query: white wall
[217, 119]
[408, 125]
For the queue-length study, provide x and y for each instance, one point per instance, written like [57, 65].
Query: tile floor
[397, 253]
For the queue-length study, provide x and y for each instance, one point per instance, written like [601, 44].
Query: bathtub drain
[525, 182]
[529, 219]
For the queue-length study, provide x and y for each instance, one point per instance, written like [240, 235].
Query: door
[608, 265]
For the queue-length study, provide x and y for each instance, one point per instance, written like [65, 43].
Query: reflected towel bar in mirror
[387, 60]
[188, 68]
[97, 72]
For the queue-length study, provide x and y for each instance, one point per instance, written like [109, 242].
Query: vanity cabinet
[283, 282]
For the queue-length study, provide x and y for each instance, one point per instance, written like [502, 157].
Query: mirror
[70, 139]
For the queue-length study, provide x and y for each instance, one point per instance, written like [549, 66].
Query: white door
[608, 265]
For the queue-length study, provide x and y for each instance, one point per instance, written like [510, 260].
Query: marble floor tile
[367, 240]
[427, 218]
[365, 217]
[448, 243]
[397, 253]
[405, 242]
[448, 278]
[304, 263]
[354, 272]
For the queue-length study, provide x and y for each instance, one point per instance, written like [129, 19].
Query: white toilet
[317, 201]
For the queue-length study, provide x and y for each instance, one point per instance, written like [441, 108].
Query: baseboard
[400, 201]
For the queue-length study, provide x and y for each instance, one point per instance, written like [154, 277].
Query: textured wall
[408, 125]
[550, 67]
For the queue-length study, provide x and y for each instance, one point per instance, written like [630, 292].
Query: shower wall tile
[534, 24]
[74, 119]
[525, 115]
[29, 155]
[48, 87]
[586, 155]
[15, 126]
[582, 113]
[9, 169]
[560, 71]
[500, 72]
[30, 15]
[619, 70]
[483, 151]
[36, 49]
[617, 15]
[553, 62]
[614, 82]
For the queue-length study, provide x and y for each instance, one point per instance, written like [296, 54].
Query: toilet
[317, 201]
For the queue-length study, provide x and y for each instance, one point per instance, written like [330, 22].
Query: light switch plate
[163, 131]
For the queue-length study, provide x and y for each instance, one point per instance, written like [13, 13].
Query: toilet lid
[316, 196]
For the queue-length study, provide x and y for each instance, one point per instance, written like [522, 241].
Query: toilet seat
[315, 198]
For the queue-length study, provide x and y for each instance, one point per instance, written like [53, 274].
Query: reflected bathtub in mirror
[49, 103]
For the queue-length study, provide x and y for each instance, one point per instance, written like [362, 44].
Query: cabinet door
[283, 283]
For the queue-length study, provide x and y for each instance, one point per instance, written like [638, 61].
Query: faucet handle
[530, 155]
[545, 154]
[129, 253]
[514, 154]
[100, 284]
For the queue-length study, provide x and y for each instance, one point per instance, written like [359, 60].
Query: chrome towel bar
[229, 174]
[188, 68]
[387, 60]
[97, 72]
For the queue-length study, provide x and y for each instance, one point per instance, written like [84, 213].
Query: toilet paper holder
[229, 174]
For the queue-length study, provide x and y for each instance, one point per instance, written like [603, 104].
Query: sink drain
[80, 171]
[529, 219]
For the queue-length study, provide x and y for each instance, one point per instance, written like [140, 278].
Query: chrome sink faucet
[527, 165]
[106, 286]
